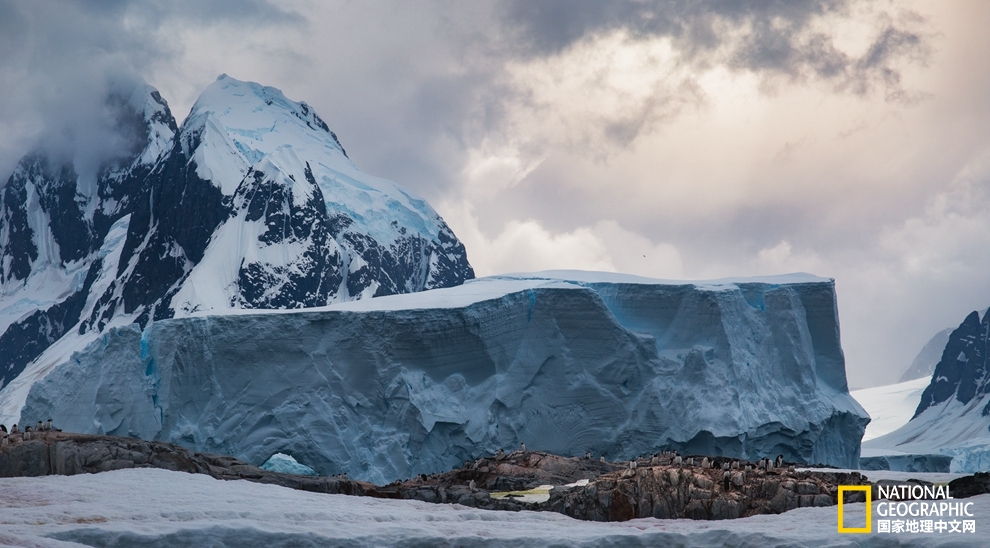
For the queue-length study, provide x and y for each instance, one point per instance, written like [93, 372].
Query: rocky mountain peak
[963, 370]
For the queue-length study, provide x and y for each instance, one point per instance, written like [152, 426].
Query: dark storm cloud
[59, 60]
[767, 37]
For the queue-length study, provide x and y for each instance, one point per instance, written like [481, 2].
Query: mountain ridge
[304, 226]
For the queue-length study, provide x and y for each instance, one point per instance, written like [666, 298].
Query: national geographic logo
[909, 508]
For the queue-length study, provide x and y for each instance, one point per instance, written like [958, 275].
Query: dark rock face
[26, 339]
[963, 370]
[170, 227]
[671, 491]
[51, 219]
[72, 220]
[400, 268]
[313, 276]
[970, 486]
[17, 249]
[59, 453]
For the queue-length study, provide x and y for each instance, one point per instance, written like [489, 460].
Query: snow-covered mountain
[953, 415]
[390, 387]
[60, 234]
[251, 203]
[924, 363]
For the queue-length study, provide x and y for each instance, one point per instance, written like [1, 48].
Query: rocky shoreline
[661, 487]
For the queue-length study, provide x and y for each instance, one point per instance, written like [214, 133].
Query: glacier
[394, 386]
[952, 416]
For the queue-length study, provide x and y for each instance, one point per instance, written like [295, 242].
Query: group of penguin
[15, 434]
[672, 457]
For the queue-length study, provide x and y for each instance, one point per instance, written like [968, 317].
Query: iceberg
[566, 362]
[285, 464]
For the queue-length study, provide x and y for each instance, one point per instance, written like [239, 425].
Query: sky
[674, 139]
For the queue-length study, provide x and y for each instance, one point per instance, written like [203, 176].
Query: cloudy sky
[674, 139]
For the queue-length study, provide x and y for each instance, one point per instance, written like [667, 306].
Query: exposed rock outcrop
[616, 491]
[697, 493]
[62, 453]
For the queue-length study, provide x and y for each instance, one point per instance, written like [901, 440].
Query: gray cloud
[60, 59]
[772, 38]
[832, 165]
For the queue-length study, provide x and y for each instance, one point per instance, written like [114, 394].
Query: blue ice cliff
[566, 362]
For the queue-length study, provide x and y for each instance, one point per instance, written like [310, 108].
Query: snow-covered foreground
[890, 406]
[150, 507]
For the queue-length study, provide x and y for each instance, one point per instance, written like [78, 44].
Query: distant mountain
[962, 373]
[251, 203]
[953, 415]
[926, 360]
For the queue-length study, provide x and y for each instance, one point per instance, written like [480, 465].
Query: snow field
[150, 507]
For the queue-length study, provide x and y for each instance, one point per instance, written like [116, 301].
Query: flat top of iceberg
[495, 287]
[474, 291]
[591, 276]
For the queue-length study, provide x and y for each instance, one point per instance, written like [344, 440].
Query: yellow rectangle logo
[868, 489]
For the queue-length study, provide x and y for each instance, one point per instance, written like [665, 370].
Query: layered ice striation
[565, 362]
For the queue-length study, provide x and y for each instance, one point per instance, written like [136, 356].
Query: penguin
[678, 460]
[587, 455]
[705, 463]
[654, 461]
[14, 430]
[726, 480]
[39, 427]
[779, 462]
[4, 441]
[3, 428]
[471, 485]
[735, 465]
[522, 447]
[602, 459]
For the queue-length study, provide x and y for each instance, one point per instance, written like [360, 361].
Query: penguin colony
[15, 435]
[729, 466]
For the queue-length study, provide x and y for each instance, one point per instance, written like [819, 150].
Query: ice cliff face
[566, 362]
[953, 416]
[251, 203]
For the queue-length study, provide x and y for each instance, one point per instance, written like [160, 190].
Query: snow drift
[566, 362]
